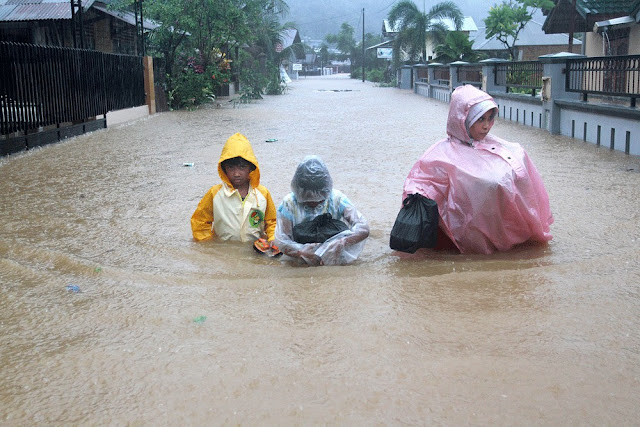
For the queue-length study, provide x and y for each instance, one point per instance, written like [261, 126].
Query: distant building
[611, 27]
[389, 33]
[290, 37]
[531, 43]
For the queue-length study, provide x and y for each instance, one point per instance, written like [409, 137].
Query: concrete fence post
[553, 87]
[489, 75]
[432, 76]
[453, 74]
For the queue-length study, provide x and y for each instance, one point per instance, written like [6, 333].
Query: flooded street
[167, 331]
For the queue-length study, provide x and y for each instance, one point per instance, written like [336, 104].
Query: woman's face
[482, 126]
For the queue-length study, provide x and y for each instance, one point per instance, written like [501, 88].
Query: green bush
[195, 85]
[375, 75]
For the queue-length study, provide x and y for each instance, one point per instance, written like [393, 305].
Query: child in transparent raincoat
[312, 195]
[490, 195]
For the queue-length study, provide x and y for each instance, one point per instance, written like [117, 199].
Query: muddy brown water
[167, 331]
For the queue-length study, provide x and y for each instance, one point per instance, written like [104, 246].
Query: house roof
[289, 37]
[37, 10]
[468, 24]
[388, 43]
[127, 17]
[585, 14]
[44, 10]
[531, 35]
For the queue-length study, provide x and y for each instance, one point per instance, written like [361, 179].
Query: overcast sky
[317, 18]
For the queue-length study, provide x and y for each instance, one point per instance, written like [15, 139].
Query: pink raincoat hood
[490, 195]
[462, 99]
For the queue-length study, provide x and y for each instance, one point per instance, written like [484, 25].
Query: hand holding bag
[416, 225]
[318, 230]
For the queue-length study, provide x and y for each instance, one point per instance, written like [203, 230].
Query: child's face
[482, 126]
[238, 174]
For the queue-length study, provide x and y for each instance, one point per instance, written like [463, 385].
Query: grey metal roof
[531, 35]
[127, 17]
[37, 10]
[289, 36]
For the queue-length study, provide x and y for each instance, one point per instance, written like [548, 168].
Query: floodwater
[166, 331]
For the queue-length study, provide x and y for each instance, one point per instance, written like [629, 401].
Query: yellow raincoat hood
[239, 146]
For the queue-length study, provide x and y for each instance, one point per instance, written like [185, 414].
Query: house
[49, 23]
[531, 43]
[611, 27]
[468, 26]
[288, 38]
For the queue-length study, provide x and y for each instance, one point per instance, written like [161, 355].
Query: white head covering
[477, 110]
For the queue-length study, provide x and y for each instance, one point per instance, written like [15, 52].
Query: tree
[506, 20]
[456, 47]
[344, 40]
[414, 25]
[198, 40]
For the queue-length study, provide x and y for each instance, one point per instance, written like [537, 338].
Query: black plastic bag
[318, 230]
[416, 225]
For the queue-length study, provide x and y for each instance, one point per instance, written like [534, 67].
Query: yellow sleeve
[269, 215]
[202, 218]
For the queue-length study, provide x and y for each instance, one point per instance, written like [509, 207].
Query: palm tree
[456, 47]
[414, 25]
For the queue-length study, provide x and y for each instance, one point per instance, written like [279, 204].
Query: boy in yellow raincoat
[239, 209]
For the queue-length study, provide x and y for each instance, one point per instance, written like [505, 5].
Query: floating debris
[271, 140]
[73, 288]
[188, 164]
[200, 319]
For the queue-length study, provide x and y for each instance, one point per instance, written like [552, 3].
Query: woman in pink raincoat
[489, 194]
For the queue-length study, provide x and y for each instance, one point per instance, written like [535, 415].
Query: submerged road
[111, 314]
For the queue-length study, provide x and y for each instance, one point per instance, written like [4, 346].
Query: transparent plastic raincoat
[312, 183]
[490, 195]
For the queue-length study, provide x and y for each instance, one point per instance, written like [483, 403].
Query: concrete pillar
[453, 74]
[553, 87]
[430, 71]
[149, 88]
[432, 77]
[418, 73]
[405, 81]
[489, 76]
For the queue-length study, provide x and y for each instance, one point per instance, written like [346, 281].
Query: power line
[390, 4]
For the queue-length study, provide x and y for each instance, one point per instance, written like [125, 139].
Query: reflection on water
[544, 334]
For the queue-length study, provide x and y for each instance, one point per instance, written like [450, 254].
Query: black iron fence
[43, 87]
[609, 75]
[470, 74]
[442, 74]
[519, 77]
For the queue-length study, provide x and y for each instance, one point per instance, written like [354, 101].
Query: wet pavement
[111, 314]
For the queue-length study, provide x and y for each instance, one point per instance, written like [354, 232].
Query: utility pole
[77, 23]
[137, 7]
[363, 76]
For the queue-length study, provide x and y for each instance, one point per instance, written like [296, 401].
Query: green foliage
[212, 31]
[344, 40]
[195, 85]
[506, 20]
[413, 26]
[456, 47]
[258, 79]
[375, 76]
